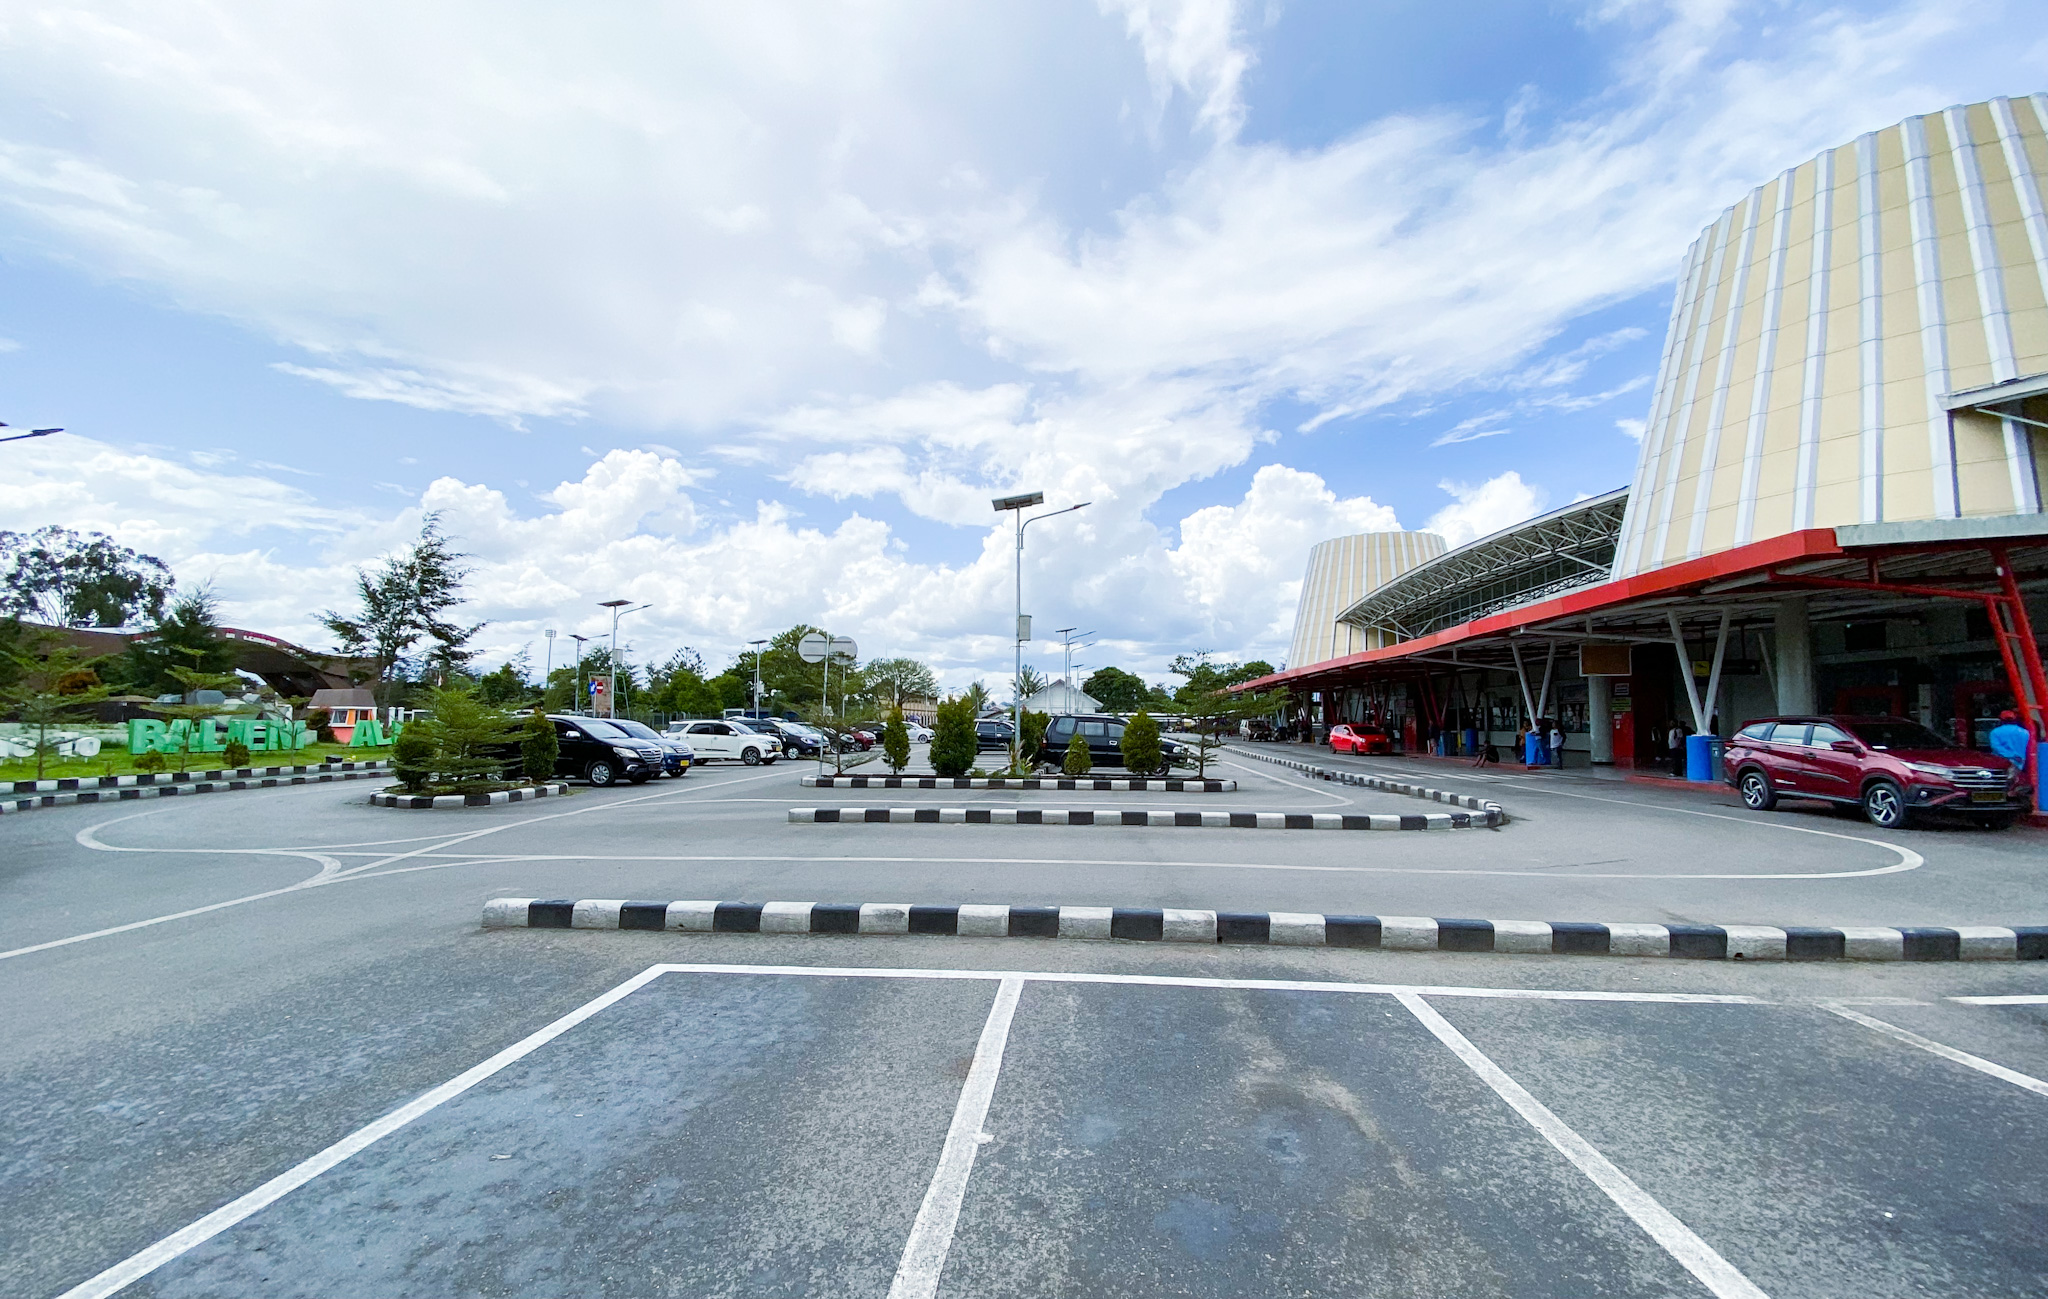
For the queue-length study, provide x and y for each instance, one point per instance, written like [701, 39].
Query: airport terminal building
[1837, 504]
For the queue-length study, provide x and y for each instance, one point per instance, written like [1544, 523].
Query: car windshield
[1898, 735]
[741, 728]
[600, 730]
[640, 729]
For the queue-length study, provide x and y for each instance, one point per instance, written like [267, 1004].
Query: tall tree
[71, 579]
[187, 637]
[898, 680]
[977, 698]
[1029, 682]
[405, 602]
[1116, 690]
[51, 684]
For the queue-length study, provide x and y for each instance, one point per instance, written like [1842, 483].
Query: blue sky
[747, 313]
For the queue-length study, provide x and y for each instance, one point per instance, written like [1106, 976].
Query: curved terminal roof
[1546, 556]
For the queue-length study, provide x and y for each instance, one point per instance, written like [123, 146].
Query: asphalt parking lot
[202, 997]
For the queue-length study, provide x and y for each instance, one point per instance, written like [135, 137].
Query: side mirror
[1846, 746]
[572, 735]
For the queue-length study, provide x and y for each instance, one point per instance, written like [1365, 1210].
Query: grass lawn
[114, 761]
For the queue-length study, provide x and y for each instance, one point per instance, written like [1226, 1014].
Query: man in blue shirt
[2010, 740]
[2013, 742]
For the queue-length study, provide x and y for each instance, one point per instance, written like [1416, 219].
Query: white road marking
[1291, 785]
[931, 1236]
[2025, 1081]
[133, 1269]
[2010, 999]
[1133, 863]
[1679, 1240]
[968, 1116]
[331, 870]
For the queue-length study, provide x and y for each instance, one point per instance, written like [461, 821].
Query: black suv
[1104, 736]
[992, 734]
[593, 749]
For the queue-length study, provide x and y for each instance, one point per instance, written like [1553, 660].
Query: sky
[745, 312]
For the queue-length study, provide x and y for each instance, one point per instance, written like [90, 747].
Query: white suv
[728, 739]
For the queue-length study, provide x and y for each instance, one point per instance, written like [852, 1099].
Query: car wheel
[1757, 794]
[752, 757]
[601, 773]
[1884, 806]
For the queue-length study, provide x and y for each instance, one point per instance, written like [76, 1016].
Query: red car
[1345, 737]
[1893, 769]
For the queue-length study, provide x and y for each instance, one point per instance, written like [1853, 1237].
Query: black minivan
[593, 749]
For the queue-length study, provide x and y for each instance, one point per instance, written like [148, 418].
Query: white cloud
[1632, 427]
[841, 245]
[1483, 509]
[9, 345]
[1470, 430]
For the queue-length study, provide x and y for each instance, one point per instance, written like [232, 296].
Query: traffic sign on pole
[813, 647]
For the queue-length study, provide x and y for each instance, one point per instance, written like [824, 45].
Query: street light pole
[1018, 504]
[757, 644]
[578, 702]
[549, 670]
[611, 697]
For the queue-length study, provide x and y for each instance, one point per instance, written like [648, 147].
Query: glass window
[1824, 735]
[1116, 730]
[1789, 733]
[1898, 735]
[602, 730]
[1094, 728]
[1756, 731]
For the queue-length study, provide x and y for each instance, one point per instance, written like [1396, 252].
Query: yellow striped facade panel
[1341, 572]
[1819, 325]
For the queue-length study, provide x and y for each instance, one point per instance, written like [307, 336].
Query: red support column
[2028, 677]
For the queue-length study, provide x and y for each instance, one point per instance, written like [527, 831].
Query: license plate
[1986, 796]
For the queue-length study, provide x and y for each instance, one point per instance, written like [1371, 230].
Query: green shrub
[412, 757]
[235, 754]
[538, 748]
[896, 742]
[471, 740]
[1079, 761]
[1140, 744]
[1032, 750]
[953, 740]
[321, 723]
[149, 760]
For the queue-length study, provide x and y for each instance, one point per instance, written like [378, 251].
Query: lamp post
[617, 607]
[579, 700]
[1017, 505]
[32, 433]
[1066, 635]
[549, 670]
[757, 644]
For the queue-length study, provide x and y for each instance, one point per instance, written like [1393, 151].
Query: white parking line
[2011, 999]
[1679, 1240]
[134, 1268]
[924, 1255]
[1928, 1044]
[931, 1236]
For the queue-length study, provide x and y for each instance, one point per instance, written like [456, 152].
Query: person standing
[1556, 746]
[2011, 741]
[1674, 747]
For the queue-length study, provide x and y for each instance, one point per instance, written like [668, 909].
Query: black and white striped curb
[1120, 816]
[1285, 929]
[212, 782]
[1135, 783]
[497, 799]
[73, 784]
[1495, 816]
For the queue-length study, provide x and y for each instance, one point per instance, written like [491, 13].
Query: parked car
[1351, 737]
[919, 733]
[798, 740]
[992, 734]
[1894, 769]
[1104, 737]
[864, 737]
[733, 741]
[676, 755]
[593, 749]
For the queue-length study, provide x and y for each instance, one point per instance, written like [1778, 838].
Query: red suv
[1890, 767]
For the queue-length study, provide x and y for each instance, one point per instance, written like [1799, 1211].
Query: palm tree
[977, 695]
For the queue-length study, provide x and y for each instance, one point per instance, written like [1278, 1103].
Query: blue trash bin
[1703, 757]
